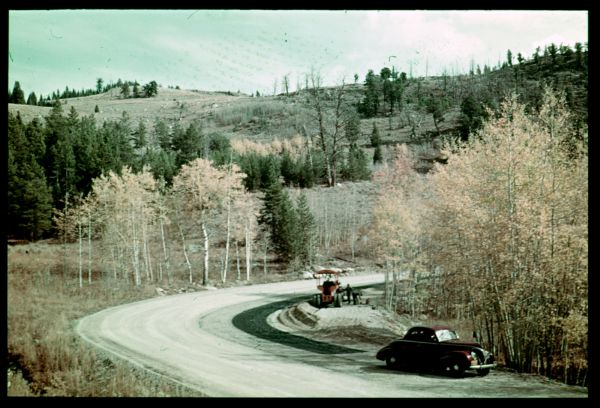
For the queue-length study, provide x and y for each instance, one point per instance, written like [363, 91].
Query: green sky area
[250, 50]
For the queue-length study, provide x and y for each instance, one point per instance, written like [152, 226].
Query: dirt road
[219, 342]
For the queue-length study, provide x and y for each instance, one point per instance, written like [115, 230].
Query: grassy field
[45, 355]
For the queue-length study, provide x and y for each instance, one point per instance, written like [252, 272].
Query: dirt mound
[347, 325]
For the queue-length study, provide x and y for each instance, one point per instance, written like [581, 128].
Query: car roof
[433, 327]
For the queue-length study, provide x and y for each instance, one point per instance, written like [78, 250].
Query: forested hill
[61, 149]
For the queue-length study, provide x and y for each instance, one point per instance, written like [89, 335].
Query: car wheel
[453, 367]
[482, 372]
[391, 361]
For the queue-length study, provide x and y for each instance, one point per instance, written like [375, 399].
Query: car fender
[461, 355]
[383, 353]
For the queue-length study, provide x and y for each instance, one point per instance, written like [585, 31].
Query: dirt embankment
[364, 324]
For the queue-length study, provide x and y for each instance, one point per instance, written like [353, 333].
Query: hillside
[266, 118]
[261, 119]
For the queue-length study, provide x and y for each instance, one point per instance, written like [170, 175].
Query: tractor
[329, 288]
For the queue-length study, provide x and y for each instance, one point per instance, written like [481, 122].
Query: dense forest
[493, 231]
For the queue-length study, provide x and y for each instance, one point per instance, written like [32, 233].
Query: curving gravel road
[218, 343]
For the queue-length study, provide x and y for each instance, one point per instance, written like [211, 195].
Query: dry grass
[45, 355]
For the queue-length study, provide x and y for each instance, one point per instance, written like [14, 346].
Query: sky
[251, 50]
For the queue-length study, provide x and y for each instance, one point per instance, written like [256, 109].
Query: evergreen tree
[96, 109]
[36, 138]
[57, 153]
[17, 95]
[553, 51]
[352, 129]
[29, 199]
[270, 171]
[579, 54]
[32, 99]
[162, 164]
[357, 165]
[306, 231]
[436, 108]
[289, 171]
[219, 148]
[187, 144]
[161, 132]
[369, 106]
[472, 115]
[150, 89]
[99, 83]
[139, 140]
[136, 90]
[125, 91]
[279, 216]
[377, 155]
[116, 147]
[375, 138]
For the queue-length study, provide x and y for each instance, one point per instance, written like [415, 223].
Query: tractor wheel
[317, 300]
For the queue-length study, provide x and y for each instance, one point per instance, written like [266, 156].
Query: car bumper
[482, 366]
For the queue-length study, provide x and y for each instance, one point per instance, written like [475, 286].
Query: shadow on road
[383, 369]
[254, 322]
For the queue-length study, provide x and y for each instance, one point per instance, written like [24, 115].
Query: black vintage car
[437, 348]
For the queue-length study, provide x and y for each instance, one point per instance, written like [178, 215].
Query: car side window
[422, 335]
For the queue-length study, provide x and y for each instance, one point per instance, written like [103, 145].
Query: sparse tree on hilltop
[31, 99]
[17, 95]
[99, 83]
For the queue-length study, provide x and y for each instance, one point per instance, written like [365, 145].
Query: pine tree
[472, 114]
[219, 148]
[150, 89]
[140, 136]
[99, 83]
[29, 199]
[307, 231]
[32, 99]
[369, 106]
[86, 147]
[161, 132]
[289, 171]
[17, 95]
[353, 129]
[187, 144]
[280, 218]
[125, 91]
[375, 138]
[377, 155]
[357, 166]
[136, 90]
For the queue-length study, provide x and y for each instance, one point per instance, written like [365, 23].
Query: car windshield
[445, 335]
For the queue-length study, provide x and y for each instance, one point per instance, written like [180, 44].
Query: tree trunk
[205, 275]
[136, 250]
[226, 263]
[248, 254]
[187, 260]
[80, 255]
[266, 247]
[237, 260]
[89, 247]
[164, 245]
